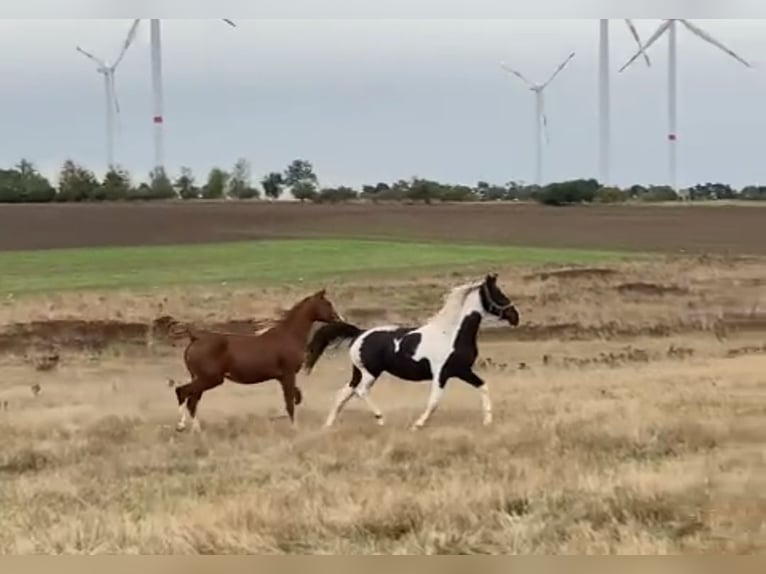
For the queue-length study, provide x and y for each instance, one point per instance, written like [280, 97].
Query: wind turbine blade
[708, 38]
[91, 56]
[229, 22]
[562, 65]
[128, 41]
[517, 74]
[657, 33]
[637, 38]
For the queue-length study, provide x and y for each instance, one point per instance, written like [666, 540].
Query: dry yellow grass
[645, 449]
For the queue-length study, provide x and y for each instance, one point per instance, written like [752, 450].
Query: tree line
[25, 184]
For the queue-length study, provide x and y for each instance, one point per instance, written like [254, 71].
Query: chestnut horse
[276, 353]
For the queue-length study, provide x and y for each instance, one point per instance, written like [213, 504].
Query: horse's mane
[453, 302]
[285, 315]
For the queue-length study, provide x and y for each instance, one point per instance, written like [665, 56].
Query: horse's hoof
[298, 397]
[379, 420]
[180, 427]
[487, 421]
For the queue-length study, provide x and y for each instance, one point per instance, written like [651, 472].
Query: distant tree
[301, 179]
[754, 193]
[610, 195]
[380, 190]
[300, 171]
[424, 190]
[33, 186]
[161, 187]
[76, 183]
[457, 193]
[517, 190]
[336, 194]
[637, 191]
[711, 191]
[239, 182]
[216, 184]
[272, 185]
[305, 191]
[660, 193]
[399, 190]
[568, 192]
[184, 185]
[116, 185]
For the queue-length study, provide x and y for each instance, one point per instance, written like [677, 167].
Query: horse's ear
[320, 294]
[491, 277]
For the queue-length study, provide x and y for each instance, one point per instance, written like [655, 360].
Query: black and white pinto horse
[442, 348]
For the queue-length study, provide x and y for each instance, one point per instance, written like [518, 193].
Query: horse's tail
[326, 335]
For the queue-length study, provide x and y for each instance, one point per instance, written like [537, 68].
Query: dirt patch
[654, 289]
[573, 273]
[720, 230]
[80, 335]
[749, 350]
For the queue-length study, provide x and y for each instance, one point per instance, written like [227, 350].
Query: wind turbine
[112, 105]
[604, 104]
[669, 26]
[157, 95]
[541, 122]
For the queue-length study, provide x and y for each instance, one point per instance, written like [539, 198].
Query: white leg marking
[342, 398]
[433, 402]
[195, 425]
[363, 392]
[486, 404]
[182, 412]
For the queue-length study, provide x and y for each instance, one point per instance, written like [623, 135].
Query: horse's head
[497, 303]
[322, 308]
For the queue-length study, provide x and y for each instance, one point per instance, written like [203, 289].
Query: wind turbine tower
[112, 104]
[604, 103]
[670, 26]
[541, 120]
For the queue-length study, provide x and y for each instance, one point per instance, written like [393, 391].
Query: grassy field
[255, 262]
[628, 413]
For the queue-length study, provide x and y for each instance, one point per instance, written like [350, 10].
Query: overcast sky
[370, 100]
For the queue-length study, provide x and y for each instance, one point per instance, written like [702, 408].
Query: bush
[216, 184]
[160, 186]
[336, 194]
[610, 195]
[116, 185]
[305, 191]
[568, 192]
[659, 193]
[754, 193]
[184, 185]
[77, 183]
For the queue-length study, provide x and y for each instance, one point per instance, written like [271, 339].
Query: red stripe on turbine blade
[157, 119]
[672, 137]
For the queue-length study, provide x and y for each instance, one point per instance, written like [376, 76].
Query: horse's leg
[199, 387]
[437, 390]
[363, 392]
[298, 396]
[345, 393]
[182, 394]
[289, 392]
[476, 382]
